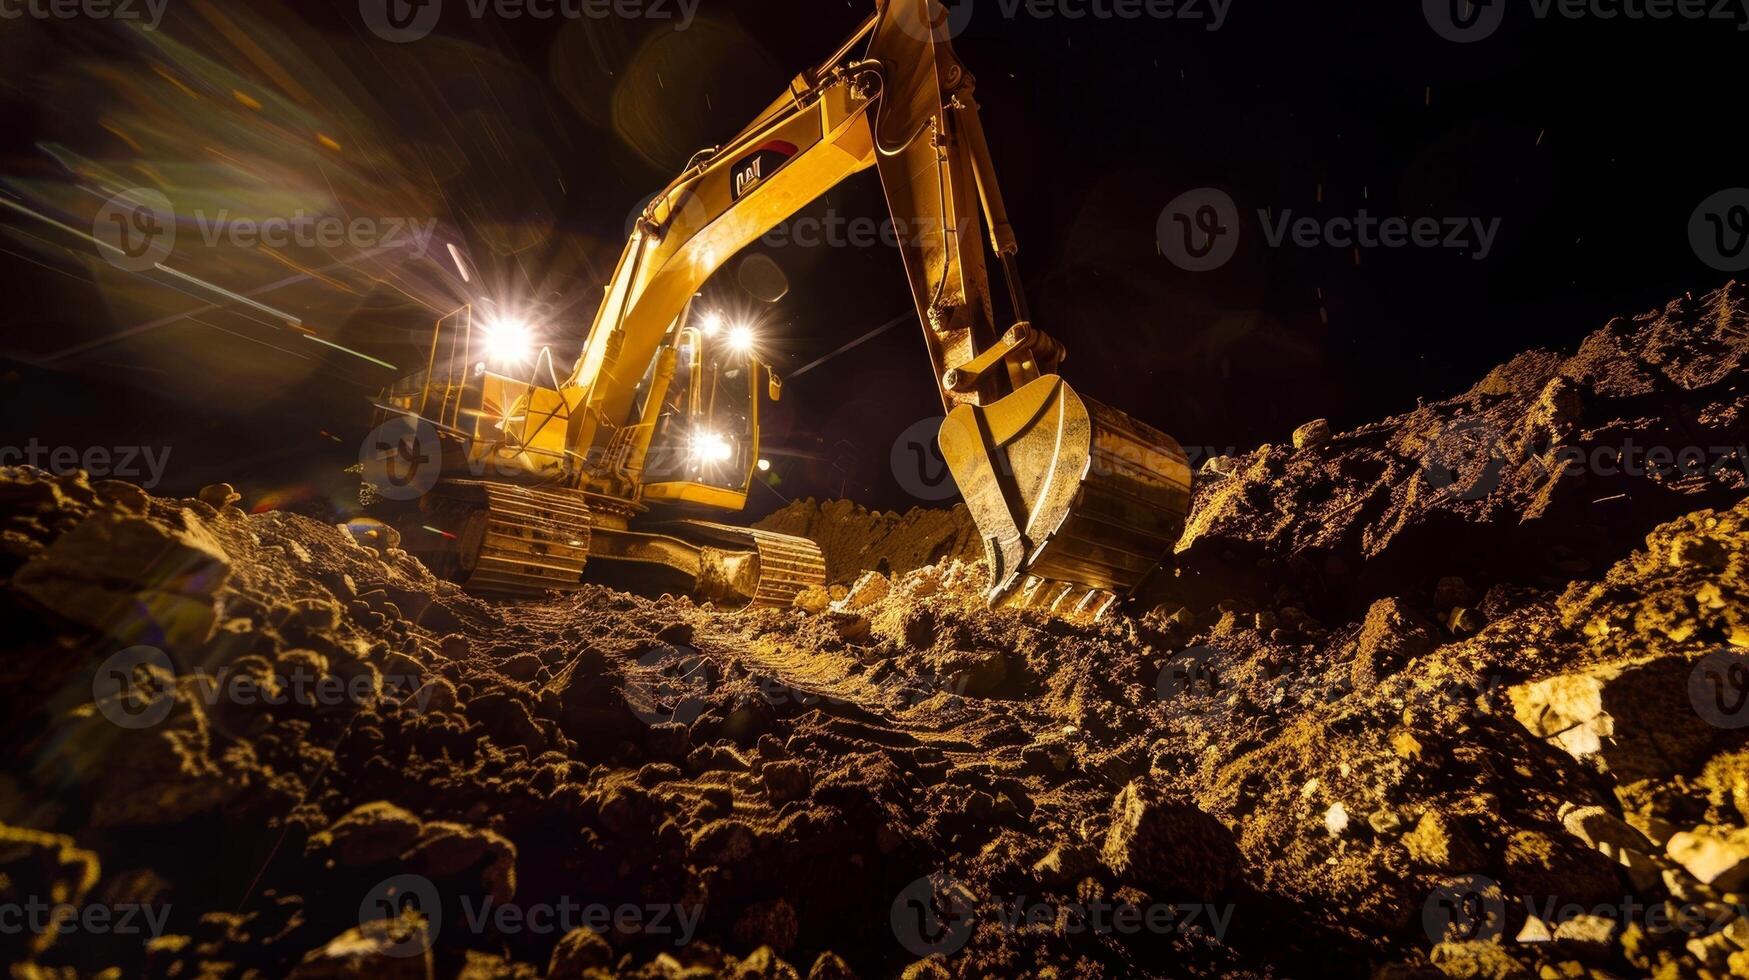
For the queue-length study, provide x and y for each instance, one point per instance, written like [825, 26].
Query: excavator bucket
[1076, 502]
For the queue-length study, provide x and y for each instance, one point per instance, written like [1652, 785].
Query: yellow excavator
[527, 479]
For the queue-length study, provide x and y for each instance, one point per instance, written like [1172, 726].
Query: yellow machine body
[1076, 501]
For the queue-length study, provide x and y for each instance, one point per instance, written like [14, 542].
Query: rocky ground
[1459, 693]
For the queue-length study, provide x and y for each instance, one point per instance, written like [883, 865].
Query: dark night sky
[1591, 141]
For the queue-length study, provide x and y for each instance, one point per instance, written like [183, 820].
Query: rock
[1631, 718]
[578, 951]
[813, 599]
[1391, 636]
[829, 966]
[1385, 823]
[1168, 847]
[1477, 960]
[384, 949]
[1618, 841]
[1336, 820]
[676, 634]
[1712, 951]
[1064, 864]
[218, 496]
[871, 588]
[1716, 856]
[1312, 435]
[668, 740]
[762, 964]
[370, 834]
[138, 579]
[1592, 936]
[784, 781]
[1439, 842]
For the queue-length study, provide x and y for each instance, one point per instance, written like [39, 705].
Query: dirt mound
[1547, 469]
[856, 539]
[279, 750]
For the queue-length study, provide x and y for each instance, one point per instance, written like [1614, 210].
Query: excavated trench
[1458, 693]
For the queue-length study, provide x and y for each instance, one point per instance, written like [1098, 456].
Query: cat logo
[752, 169]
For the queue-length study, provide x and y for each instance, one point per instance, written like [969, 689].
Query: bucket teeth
[1064, 600]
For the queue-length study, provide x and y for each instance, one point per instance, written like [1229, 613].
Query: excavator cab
[705, 445]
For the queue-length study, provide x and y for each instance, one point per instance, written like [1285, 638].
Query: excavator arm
[1076, 502]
